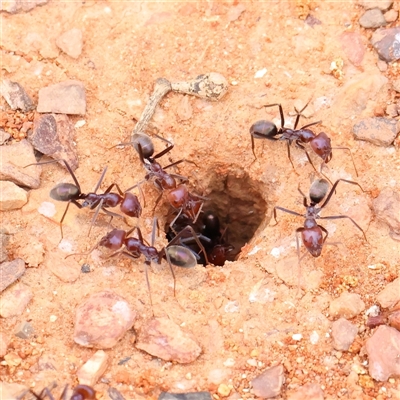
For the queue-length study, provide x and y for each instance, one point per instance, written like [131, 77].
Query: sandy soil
[127, 46]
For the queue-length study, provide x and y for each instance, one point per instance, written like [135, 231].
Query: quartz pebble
[343, 334]
[13, 160]
[390, 295]
[376, 130]
[93, 369]
[310, 391]
[269, 383]
[348, 305]
[163, 338]
[383, 349]
[14, 301]
[71, 43]
[12, 196]
[24, 330]
[67, 97]
[53, 135]
[10, 272]
[102, 320]
[16, 96]
[380, 4]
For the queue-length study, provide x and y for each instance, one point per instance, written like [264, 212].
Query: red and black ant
[122, 242]
[312, 234]
[320, 143]
[80, 392]
[72, 193]
[178, 196]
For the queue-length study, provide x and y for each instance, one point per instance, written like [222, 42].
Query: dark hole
[240, 209]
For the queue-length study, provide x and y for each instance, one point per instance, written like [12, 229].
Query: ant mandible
[312, 233]
[320, 143]
[72, 193]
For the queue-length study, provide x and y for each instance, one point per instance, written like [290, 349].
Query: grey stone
[70, 42]
[13, 160]
[383, 349]
[185, 396]
[4, 239]
[14, 6]
[343, 334]
[66, 97]
[10, 272]
[387, 209]
[269, 383]
[53, 135]
[372, 19]
[387, 43]
[102, 320]
[16, 96]
[377, 130]
[163, 338]
[381, 4]
[390, 295]
[24, 330]
[347, 305]
[12, 197]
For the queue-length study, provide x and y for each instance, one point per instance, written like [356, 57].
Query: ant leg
[280, 112]
[153, 231]
[174, 220]
[165, 151]
[157, 201]
[288, 142]
[84, 254]
[286, 211]
[351, 155]
[326, 234]
[351, 219]
[173, 164]
[66, 165]
[252, 146]
[137, 185]
[100, 180]
[171, 269]
[198, 212]
[146, 272]
[305, 202]
[334, 187]
[312, 123]
[65, 213]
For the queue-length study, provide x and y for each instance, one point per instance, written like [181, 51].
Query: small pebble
[390, 295]
[15, 299]
[185, 396]
[348, 305]
[93, 369]
[71, 42]
[269, 383]
[24, 330]
[391, 16]
[386, 207]
[379, 131]
[372, 19]
[10, 272]
[343, 334]
[53, 318]
[380, 4]
[386, 43]
[12, 196]
[16, 96]
[223, 390]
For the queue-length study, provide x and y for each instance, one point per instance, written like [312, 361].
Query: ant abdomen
[65, 192]
[181, 256]
[318, 190]
[145, 143]
[264, 130]
[83, 392]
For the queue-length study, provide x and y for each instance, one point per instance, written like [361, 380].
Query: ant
[134, 247]
[320, 144]
[312, 233]
[72, 193]
[178, 196]
[80, 392]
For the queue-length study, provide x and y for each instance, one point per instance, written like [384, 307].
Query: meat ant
[80, 392]
[123, 243]
[72, 193]
[320, 143]
[178, 196]
[312, 233]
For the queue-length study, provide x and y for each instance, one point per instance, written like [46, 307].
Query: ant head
[65, 192]
[318, 190]
[181, 256]
[321, 145]
[312, 237]
[113, 240]
[144, 142]
[264, 130]
[178, 196]
[211, 224]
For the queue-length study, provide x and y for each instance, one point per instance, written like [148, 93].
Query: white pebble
[53, 318]
[230, 362]
[297, 336]
[65, 246]
[314, 337]
[260, 73]
[232, 306]
[47, 209]
[276, 252]
[80, 123]
[254, 251]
